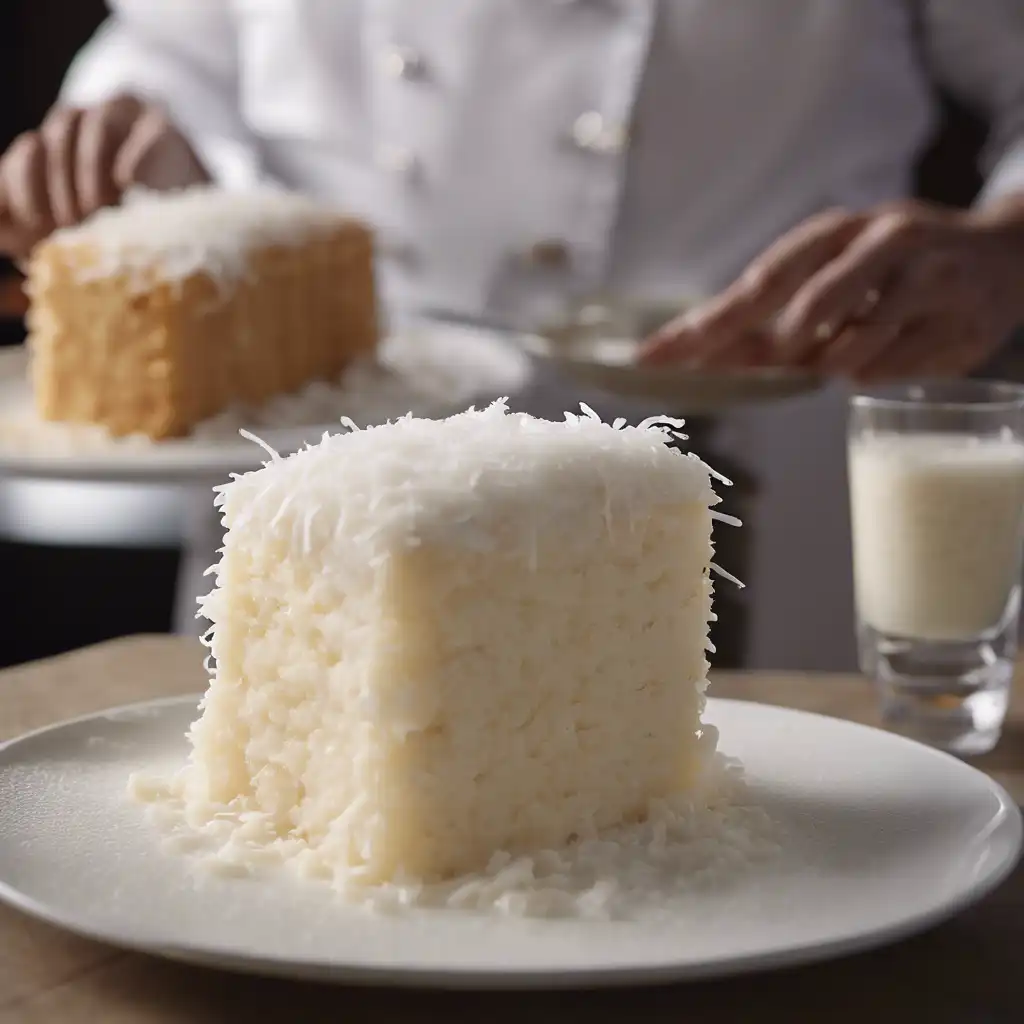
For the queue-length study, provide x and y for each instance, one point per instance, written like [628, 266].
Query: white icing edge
[176, 234]
[365, 493]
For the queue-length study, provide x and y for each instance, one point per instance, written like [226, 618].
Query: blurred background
[58, 595]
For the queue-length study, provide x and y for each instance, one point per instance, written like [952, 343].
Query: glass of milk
[936, 476]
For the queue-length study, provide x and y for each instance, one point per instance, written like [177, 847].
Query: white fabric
[747, 115]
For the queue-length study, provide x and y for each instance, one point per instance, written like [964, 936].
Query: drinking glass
[936, 473]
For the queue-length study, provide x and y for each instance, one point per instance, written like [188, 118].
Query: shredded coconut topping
[364, 493]
[203, 228]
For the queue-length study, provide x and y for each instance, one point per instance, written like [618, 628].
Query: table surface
[967, 970]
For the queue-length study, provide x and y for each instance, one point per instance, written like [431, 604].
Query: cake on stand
[73, 485]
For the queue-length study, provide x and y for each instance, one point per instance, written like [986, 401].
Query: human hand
[81, 160]
[909, 289]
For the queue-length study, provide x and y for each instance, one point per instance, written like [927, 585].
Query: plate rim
[675, 386]
[1010, 821]
[215, 460]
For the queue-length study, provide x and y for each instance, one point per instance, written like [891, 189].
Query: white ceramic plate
[884, 837]
[595, 348]
[597, 345]
[608, 367]
[456, 366]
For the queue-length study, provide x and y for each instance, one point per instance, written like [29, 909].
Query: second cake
[153, 316]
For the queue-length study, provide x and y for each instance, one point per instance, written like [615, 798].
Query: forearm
[195, 88]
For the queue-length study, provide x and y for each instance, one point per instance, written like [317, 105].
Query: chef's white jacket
[512, 153]
[516, 153]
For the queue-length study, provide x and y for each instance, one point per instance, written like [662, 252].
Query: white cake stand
[73, 485]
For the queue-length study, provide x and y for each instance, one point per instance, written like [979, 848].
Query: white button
[403, 62]
[549, 253]
[398, 160]
[594, 132]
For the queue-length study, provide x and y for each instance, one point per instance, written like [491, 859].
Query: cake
[151, 317]
[436, 640]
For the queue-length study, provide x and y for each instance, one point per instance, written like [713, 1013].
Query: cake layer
[155, 316]
[438, 640]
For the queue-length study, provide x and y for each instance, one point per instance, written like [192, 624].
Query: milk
[937, 528]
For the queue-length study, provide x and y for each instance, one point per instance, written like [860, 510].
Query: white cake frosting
[421, 481]
[206, 228]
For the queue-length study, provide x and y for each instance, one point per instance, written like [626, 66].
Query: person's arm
[151, 101]
[909, 289]
[181, 54]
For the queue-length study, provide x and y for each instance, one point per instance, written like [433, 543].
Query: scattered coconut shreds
[414, 374]
[706, 840]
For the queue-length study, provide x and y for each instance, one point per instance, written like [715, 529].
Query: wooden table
[970, 970]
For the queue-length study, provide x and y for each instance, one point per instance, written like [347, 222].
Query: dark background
[55, 599]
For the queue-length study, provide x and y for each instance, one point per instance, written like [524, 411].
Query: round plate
[596, 345]
[608, 367]
[463, 366]
[595, 348]
[883, 837]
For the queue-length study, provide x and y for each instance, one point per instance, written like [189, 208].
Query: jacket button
[593, 132]
[549, 254]
[403, 62]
